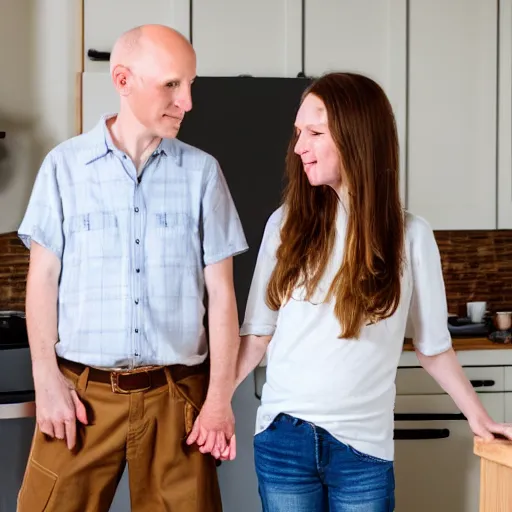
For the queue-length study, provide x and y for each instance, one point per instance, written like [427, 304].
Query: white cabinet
[435, 467]
[452, 114]
[368, 37]
[105, 21]
[98, 97]
[246, 37]
[505, 117]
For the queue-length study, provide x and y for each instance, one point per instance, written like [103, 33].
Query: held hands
[213, 430]
[57, 405]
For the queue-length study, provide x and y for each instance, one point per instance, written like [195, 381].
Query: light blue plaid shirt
[133, 254]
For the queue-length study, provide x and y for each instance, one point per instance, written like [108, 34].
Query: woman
[341, 272]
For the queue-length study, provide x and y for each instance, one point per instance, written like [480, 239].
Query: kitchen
[452, 97]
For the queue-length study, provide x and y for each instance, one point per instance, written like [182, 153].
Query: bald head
[152, 68]
[142, 46]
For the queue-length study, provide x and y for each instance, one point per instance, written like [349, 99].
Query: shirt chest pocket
[94, 235]
[170, 237]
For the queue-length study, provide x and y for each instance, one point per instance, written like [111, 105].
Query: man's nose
[184, 100]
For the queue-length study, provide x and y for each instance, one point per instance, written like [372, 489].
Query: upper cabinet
[368, 37]
[446, 68]
[505, 117]
[104, 21]
[237, 37]
[452, 112]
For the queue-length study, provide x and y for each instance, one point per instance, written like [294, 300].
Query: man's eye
[172, 84]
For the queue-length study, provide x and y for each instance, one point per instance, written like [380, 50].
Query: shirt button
[136, 354]
[137, 241]
[137, 270]
[136, 330]
[136, 301]
[136, 209]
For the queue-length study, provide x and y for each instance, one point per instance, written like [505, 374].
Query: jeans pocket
[37, 488]
[368, 458]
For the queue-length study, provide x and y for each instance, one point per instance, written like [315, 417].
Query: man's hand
[57, 404]
[214, 431]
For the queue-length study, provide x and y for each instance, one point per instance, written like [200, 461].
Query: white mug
[476, 311]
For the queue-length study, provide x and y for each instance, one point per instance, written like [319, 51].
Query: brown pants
[146, 429]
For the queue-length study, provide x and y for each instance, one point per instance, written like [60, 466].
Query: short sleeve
[42, 222]
[223, 235]
[259, 319]
[428, 314]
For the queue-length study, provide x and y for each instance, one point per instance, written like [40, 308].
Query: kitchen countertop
[470, 352]
[467, 344]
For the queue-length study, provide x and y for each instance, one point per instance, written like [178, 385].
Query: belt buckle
[116, 388]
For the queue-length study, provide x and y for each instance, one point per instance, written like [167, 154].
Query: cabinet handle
[2, 135]
[421, 433]
[98, 56]
[424, 416]
[482, 383]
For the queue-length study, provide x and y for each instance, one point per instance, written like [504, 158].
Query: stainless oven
[17, 407]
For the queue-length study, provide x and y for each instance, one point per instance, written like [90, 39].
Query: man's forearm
[447, 371]
[224, 345]
[41, 313]
[252, 351]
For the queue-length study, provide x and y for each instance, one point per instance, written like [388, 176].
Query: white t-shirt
[346, 386]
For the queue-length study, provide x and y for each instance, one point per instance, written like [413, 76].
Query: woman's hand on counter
[487, 429]
[447, 371]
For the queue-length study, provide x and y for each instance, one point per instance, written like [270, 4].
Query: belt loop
[170, 380]
[81, 384]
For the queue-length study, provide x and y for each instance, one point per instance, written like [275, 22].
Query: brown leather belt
[137, 379]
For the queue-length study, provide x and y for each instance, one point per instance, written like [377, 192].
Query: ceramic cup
[476, 311]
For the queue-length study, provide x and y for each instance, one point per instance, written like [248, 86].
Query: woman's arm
[252, 351]
[447, 371]
[428, 317]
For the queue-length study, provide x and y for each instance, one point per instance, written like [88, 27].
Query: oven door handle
[410, 434]
[17, 404]
[429, 416]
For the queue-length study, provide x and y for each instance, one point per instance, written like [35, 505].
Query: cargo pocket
[37, 488]
[193, 390]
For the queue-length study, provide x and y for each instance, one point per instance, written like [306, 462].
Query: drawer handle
[421, 433]
[424, 416]
[98, 56]
[482, 383]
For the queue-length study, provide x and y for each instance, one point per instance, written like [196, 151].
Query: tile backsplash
[477, 265]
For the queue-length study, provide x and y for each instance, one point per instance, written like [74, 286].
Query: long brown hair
[367, 285]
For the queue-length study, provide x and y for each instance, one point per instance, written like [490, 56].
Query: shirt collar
[101, 143]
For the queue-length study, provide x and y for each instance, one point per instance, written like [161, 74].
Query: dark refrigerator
[246, 123]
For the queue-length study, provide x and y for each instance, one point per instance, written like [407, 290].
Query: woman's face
[315, 145]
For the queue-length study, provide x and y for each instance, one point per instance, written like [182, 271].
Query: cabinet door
[452, 59]
[368, 37]
[240, 37]
[105, 21]
[435, 467]
[505, 117]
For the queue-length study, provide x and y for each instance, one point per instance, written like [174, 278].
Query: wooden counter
[468, 344]
[495, 475]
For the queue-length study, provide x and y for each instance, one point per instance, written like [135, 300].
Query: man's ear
[122, 78]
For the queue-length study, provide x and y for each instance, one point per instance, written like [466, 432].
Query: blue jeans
[303, 468]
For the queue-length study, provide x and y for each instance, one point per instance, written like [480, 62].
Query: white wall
[38, 60]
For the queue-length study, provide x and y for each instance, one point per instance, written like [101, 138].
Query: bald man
[128, 228]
